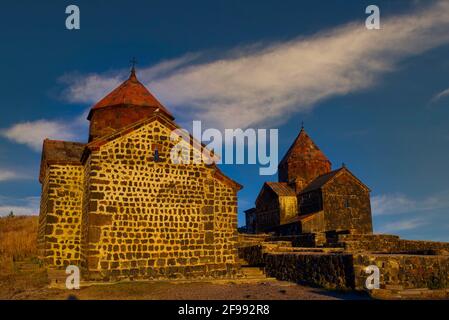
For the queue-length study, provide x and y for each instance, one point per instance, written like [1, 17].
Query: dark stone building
[314, 227]
[310, 198]
[118, 206]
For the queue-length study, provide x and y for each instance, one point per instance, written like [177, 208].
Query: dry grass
[17, 241]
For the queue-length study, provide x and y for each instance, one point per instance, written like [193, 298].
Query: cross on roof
[133, 62]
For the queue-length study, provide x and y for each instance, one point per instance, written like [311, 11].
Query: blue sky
[375, 100]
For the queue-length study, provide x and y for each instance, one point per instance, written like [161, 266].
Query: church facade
[310, 198]
[117, 206]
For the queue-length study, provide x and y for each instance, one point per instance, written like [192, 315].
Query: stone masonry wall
[346, 205]
[87, 206]
[267, 211]
[60, 216]
[43, 217]
[345, 270]
[156, 219]
[391, 244]
[255, 254]
[332, 271]
[404, 271]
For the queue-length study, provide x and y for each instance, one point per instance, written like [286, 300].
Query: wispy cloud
[25, 206]
[92, 87]
[440, 95]
[8, 175]
[391, 204]
[404, 225]
[32, 133]
[267, 82]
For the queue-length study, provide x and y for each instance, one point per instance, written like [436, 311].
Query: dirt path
[275, 290]
[29, 281]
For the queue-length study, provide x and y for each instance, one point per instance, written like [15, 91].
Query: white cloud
[8, 175]
[32, 133]
[267, 83]
[93, 87]
[391, 204]
[90, 88]
[440, 95]
[25, 206]
[404, 225]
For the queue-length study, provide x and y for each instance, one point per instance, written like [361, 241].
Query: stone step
[256, 271]
[418, 293]
[26, 267]
[252, 269]
[393, 287]
[57, 278]
[253, 273]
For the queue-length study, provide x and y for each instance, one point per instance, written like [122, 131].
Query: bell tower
[128, 103]
[302, 163]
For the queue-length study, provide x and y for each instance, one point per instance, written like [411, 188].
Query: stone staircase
[249, 240]
[27, 267]
[253, 274]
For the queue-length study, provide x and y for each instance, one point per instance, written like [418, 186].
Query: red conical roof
[304, 148]
[303, 162]
[130, 92]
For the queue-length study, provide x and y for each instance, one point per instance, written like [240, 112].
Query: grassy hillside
[17, 241]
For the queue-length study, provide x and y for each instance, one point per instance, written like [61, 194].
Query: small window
[156, 155]
[347, 204]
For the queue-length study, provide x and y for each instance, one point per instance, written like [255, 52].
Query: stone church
[118, 207]
[310, 198]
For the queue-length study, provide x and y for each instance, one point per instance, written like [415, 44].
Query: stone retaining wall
[249, 240]
[347, 270]
[392, 244]
[255, 255]
[404, 271]
[333, 271]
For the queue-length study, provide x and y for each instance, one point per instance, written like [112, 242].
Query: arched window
[156, 155]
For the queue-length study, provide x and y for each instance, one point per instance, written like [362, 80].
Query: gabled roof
[301, 218]
[322, 180]
[219, 175]
[60, 152]
[281, 189]
[162, 118]
[130, 92]
[250, 211]
[156, 116]
[303, 147]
